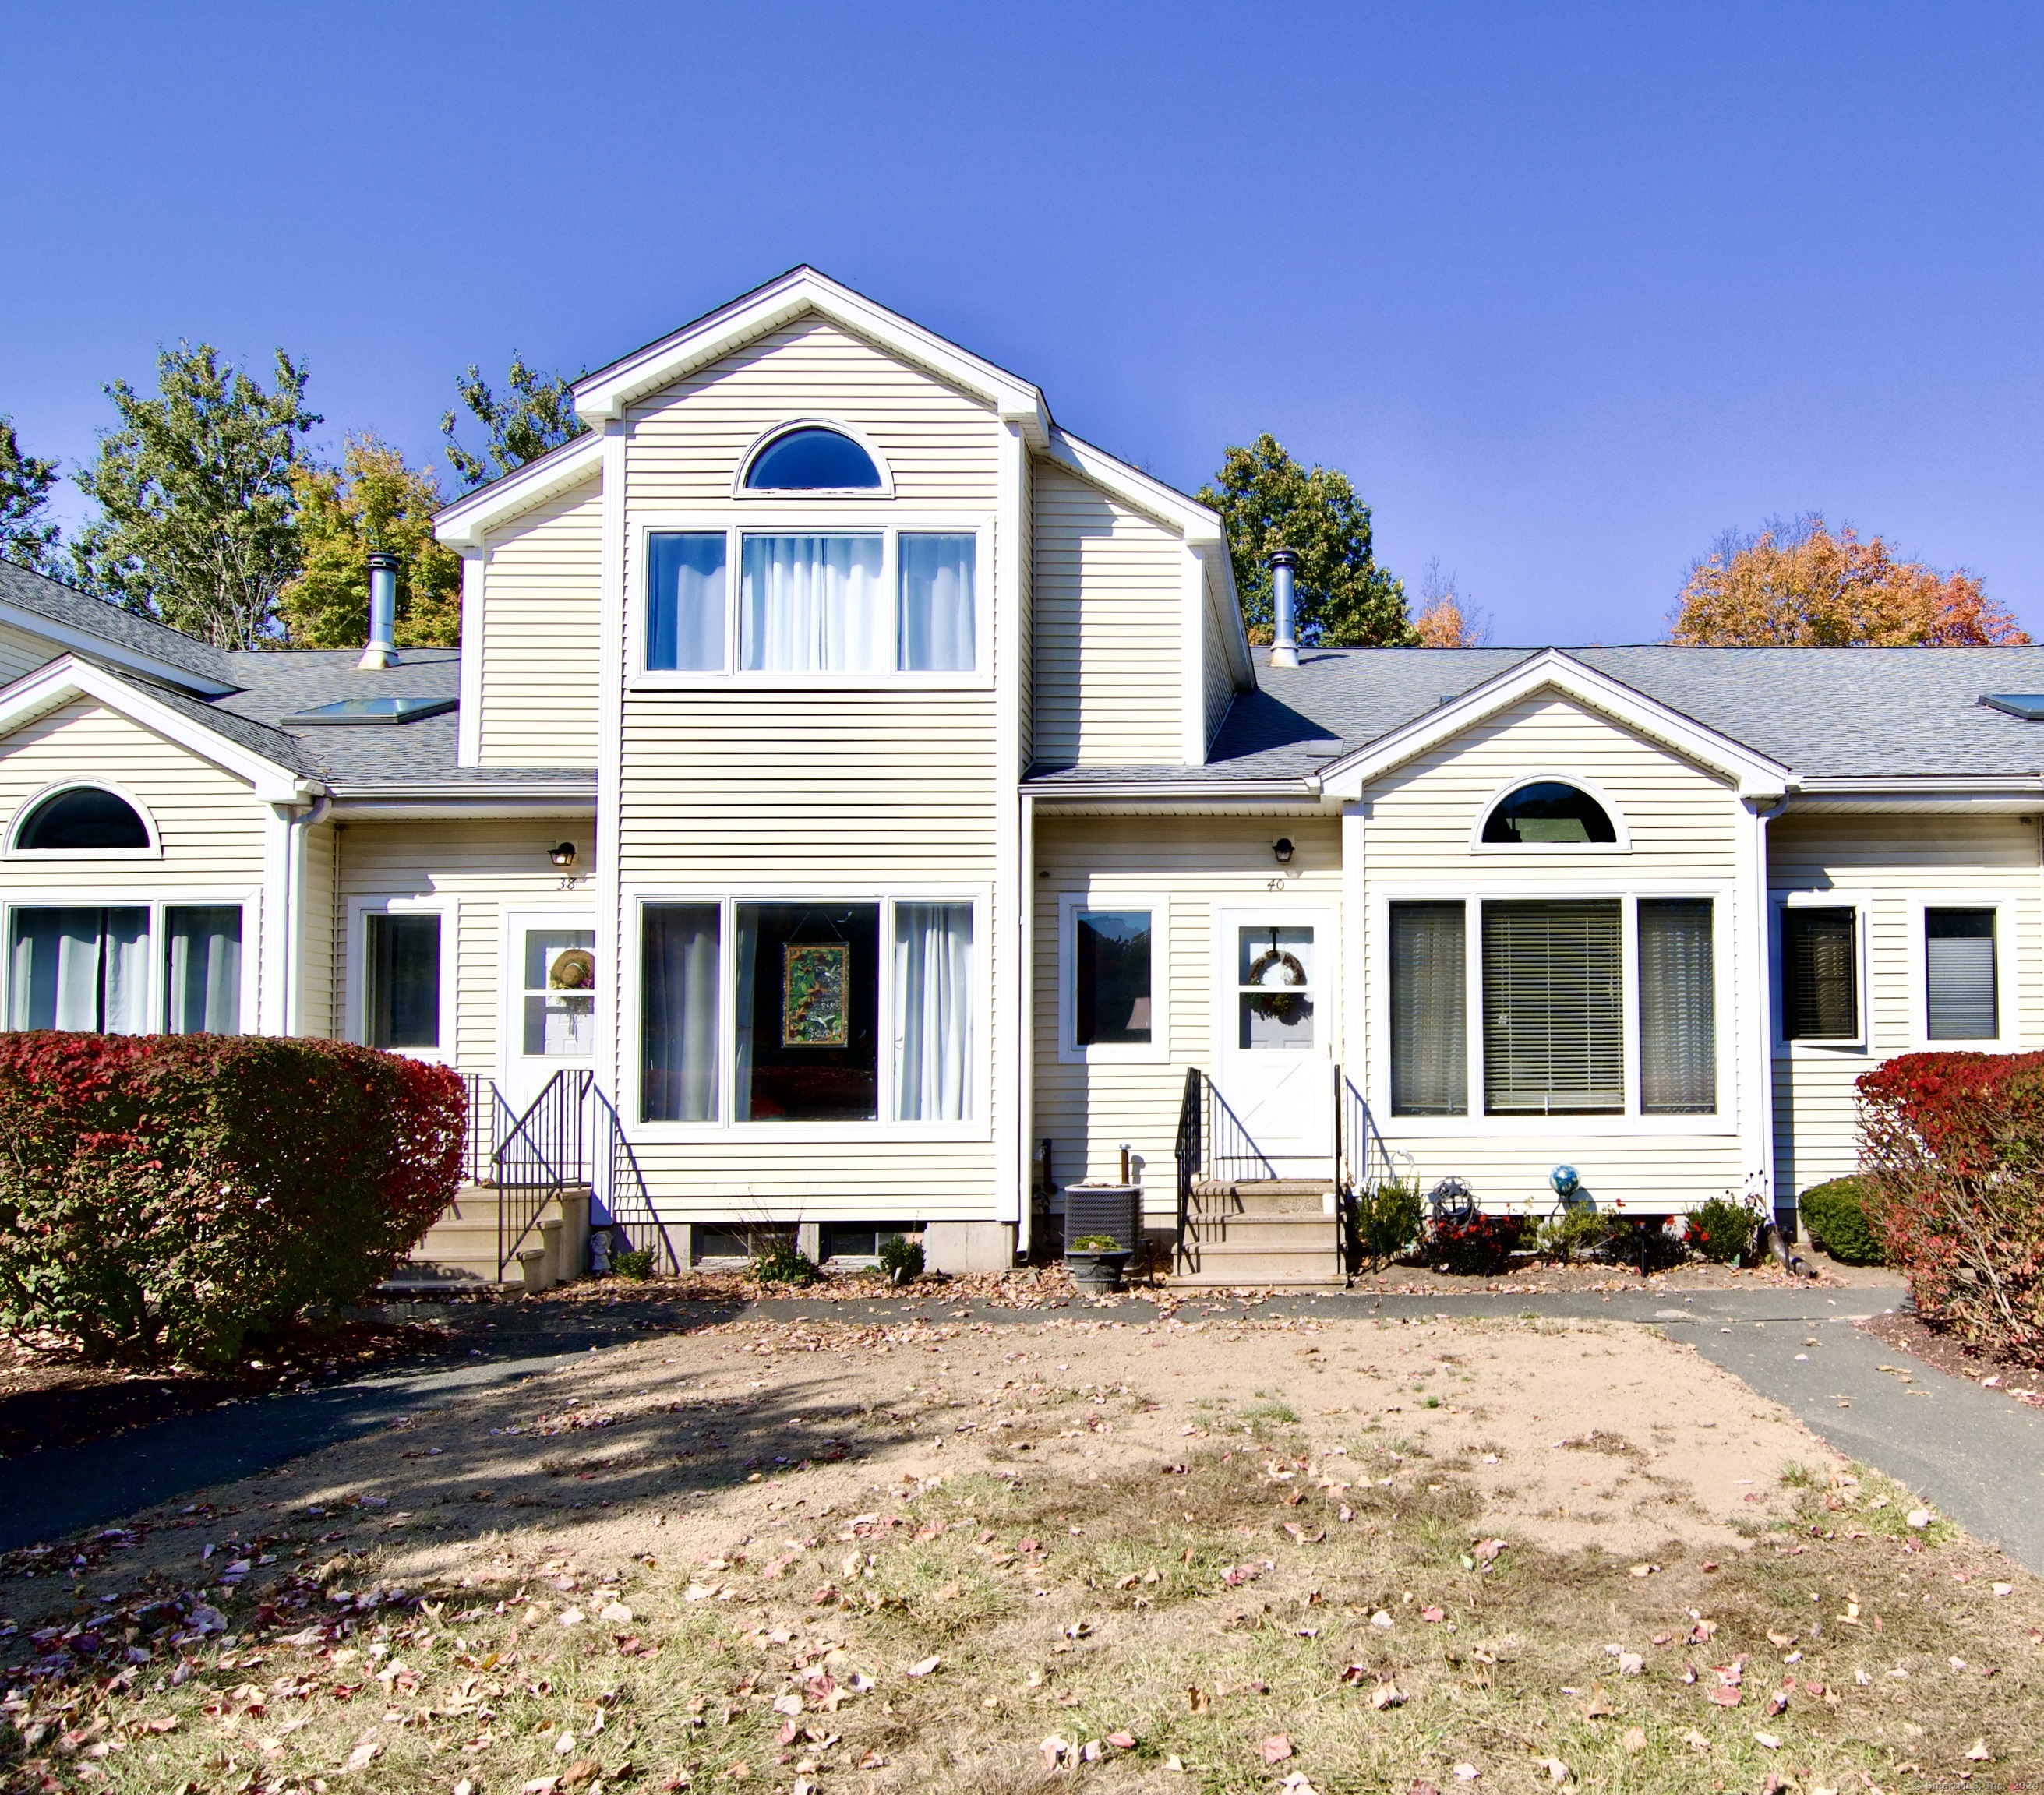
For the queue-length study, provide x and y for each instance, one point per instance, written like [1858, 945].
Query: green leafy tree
[27, 538]
[1342, 599]
[197, 524]
[535, 414]
[372, 501]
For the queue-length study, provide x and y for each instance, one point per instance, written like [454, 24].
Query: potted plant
[1096, 1261]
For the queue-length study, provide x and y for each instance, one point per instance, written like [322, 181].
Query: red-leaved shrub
[1481, 1246]
[162, 1196]
[1953, 1153]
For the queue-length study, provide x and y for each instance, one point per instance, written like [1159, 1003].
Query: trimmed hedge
[1835, 1215]
[163, 1196]
[1953, 1165]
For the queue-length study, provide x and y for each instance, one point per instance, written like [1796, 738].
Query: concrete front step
[1263, 1193]
[1275, 1234]
[461, 1248]
[1222, 1267]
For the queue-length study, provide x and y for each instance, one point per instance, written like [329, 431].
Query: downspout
[1763, 1028]
[1025, 1010]
[293, 905]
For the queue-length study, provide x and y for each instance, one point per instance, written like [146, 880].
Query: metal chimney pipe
[382, 650]
[1284, 647]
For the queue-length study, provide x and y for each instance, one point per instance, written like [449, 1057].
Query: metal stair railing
[619, 1187]
[1190, 1153]
[539, 1156]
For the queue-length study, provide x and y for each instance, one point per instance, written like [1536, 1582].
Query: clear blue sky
[1566, 289]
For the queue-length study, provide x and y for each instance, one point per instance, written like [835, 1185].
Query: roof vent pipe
[1284, 647]
[381, 651]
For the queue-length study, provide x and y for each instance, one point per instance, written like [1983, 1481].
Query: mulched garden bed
[49, 1397]
[1907, 1331]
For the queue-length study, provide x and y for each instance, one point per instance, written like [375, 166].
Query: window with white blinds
[1429, 1010]
[1553, 1037]
[1958, 947]
[1678, 1039]
[1820, 974]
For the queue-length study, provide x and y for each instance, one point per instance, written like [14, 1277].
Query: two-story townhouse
[864, 790]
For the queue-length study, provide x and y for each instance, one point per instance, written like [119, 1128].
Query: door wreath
[1277, 1003]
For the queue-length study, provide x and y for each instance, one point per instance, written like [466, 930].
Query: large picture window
[84, 966]
[202, 969]
[1819, 973]
[1959, 975]
[1429, 1010]
[1554, 1035]
[816, 987]
[876, 603]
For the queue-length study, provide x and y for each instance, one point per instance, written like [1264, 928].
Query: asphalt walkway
[1976, 1455]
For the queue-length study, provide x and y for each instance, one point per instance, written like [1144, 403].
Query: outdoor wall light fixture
[1281, 850]
[563, 855]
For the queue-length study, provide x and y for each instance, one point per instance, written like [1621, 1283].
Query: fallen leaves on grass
[1276, 1748]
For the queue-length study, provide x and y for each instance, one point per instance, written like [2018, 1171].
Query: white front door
[548, 1019]
[1273, 1013]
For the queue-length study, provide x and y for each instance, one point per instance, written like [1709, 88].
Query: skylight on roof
[356, 712]
[2028, 705]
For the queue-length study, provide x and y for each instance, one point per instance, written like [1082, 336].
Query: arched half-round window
[83, 819]
[1547, 812]
[812, 458]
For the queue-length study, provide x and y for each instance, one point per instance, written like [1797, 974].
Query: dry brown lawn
[1226, 1555]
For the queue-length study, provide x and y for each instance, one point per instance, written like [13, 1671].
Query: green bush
[1835, 1215]
[780, 1261]
[900, 1259]
[633, 1262]
[1388, 1219]
[1574, 1231]
[164, 1196]
[1721, 1229]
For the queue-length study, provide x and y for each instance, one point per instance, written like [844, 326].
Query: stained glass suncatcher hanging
[815, 988]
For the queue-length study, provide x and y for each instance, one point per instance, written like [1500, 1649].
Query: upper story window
[83, 819]
[1548, 812]
[821, 601]
[813, 458]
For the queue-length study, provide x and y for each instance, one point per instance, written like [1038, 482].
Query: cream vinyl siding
[22, 652]
[1217, 684]
[1021, 621]
[1891, 861]
[542, 591]
[210, 823]
[482, 869]
[1109, 609]
[686, 442]
[1685, 823]
[319, 1009]
[1192, 863]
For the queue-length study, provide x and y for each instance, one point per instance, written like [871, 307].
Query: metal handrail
[1232, 1154]
[538, 1157]
[1189, 1149]
[621, 1192]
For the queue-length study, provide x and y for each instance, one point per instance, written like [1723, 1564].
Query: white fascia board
[1921, 785]
[64, 636]
[1167, 504]
[464, 523]
[1549, 669]
[605, 395]
[36, 693]
[1306, 791]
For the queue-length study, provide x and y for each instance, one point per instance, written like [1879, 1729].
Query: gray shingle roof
[73, 609]
[1825, 713]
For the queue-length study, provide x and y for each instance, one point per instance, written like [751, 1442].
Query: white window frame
[29, 807]
[359, 911]
[1517, 850]
[248, 900]
[1157, 1050]
[783, 494]
[2007, 907]
[831, 516]
[978, 1127]
[1632, 1120]
[1861, 903]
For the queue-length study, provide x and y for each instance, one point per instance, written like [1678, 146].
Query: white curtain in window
[84, 968]
[936, 626]
[813, 604]
[932, 1011]
[203, 992]
[678, 1048]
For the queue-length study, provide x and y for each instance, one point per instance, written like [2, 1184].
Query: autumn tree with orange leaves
[1800, 586]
